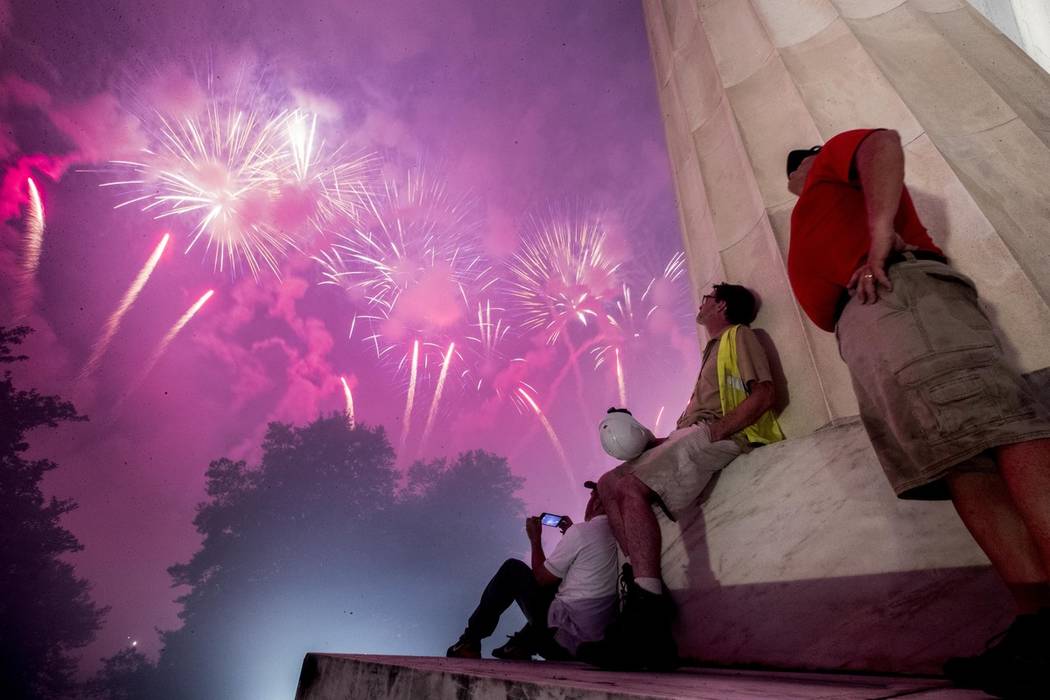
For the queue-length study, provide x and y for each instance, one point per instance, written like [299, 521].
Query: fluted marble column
[743, 81]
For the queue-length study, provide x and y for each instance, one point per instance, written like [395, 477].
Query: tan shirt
[706, 404]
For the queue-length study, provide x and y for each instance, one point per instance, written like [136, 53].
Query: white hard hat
[622, 436]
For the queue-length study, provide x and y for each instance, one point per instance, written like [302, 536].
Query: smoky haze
[483, 130]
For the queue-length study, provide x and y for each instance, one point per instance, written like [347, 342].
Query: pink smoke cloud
[173, 92]
[293, 359]
[17, 91]
[99, 128]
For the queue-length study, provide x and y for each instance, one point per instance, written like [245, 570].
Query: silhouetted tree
[127, 675]
[46, 612]
[318, 549]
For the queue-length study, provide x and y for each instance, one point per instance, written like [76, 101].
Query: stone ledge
[799, 556]
[341, 676]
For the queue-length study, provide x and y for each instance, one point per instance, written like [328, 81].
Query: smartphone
[550, 519]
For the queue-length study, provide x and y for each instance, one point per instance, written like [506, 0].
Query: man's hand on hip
[866, 279]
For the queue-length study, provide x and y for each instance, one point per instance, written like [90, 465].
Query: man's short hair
[796, 157]
[741, 305]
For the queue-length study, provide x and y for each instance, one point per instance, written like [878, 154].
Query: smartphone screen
[550, 519]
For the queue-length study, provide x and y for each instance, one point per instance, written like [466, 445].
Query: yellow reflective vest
[732, 392]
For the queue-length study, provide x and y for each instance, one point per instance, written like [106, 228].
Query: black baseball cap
[796, 157]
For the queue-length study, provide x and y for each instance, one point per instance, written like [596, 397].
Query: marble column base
[800, 556]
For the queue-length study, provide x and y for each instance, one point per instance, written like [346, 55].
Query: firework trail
[550, 432]
[437, 393]
[34, 230]
[656, 423]
[563, 275]
[411, 398]
[620, 384]
[162, 346]
[113, 324]
[34, 243]
[349, 403]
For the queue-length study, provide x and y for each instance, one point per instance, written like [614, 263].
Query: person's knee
[607, 487]
[513, 565]
[631, 487]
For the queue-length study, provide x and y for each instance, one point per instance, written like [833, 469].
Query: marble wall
[1026, 22]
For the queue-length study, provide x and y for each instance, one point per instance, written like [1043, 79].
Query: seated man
[567, 598]
[729, 412]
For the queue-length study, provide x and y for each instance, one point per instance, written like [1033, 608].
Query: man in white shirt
[567, 598]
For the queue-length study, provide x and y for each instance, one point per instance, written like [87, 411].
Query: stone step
[343, 676]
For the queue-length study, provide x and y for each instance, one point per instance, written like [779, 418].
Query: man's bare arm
[762, 398]
[880, 169]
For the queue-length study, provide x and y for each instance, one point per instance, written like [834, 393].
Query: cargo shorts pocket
[953, 401]
[951, 315]
[968, 401]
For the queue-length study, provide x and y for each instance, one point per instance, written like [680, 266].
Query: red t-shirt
[829, 229]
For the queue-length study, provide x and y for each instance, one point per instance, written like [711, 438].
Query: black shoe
[640, 639]
[1015, 664]
[520, 647]
[464, 649]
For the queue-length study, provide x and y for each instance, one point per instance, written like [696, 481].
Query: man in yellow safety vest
[730, 412]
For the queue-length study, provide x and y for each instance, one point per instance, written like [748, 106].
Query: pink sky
[520, 108]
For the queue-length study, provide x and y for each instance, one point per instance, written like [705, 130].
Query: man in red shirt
[948, 418]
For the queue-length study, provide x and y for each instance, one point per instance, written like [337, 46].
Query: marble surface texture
[340, 676]
[799, 556]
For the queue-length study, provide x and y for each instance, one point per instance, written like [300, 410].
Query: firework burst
[563, 275]
[632, 318]
[318, 187]
[216, 169]
[411, 264]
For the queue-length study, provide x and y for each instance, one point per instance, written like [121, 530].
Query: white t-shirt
[585, 560]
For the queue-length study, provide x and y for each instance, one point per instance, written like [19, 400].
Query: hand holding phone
[550, 519]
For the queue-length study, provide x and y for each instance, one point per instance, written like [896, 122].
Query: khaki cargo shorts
[935, 393]
[679, 468]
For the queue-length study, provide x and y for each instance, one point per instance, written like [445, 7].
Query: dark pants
[515, 583]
